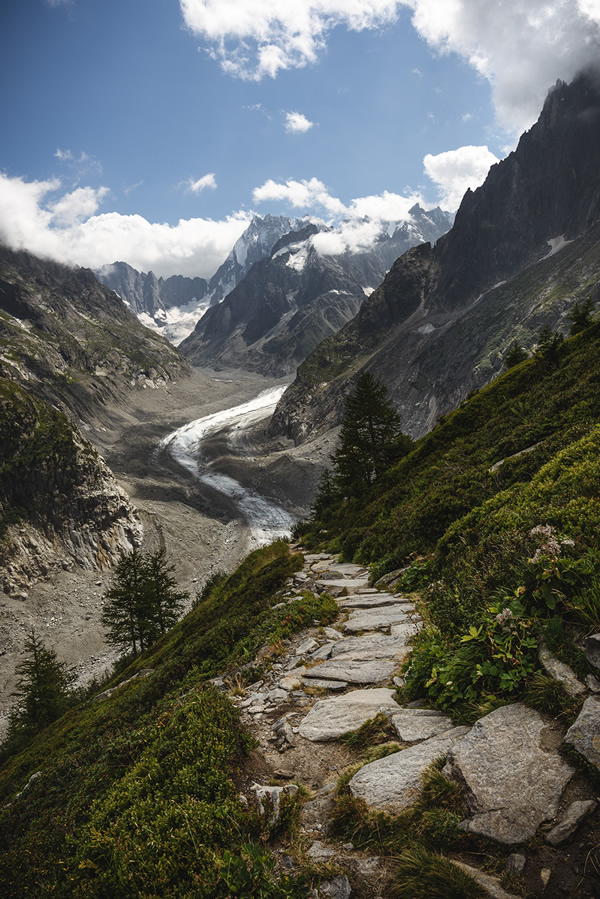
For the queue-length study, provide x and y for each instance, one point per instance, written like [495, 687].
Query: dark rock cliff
[524, 247]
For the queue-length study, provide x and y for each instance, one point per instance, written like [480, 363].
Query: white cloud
[300, 194]
[78, 205]
[297, 123]
[456, 170]
[520, 48]
[82, 164]
[254, 38]
[33, 218]
[357, 225]
[206, 181]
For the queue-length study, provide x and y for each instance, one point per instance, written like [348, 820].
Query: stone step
[394, 782]
[375, 619]
[371, 646]
[330, 718]
[372, 601]
[352, 585]
[368, 671]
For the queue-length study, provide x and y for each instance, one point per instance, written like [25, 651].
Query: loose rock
[584, 734]
[419, 724]
[570, 821]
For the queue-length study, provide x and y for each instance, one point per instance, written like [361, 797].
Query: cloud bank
[520, 48]
[66, 228]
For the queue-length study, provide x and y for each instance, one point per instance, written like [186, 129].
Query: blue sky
[150, 130]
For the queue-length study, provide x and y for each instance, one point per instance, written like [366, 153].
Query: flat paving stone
[352, 585]
[394, 782]
[371, 601]
[330, 718]
[513, 773]
[370, 671]
[335, 686]
[371, 646]
[374, 619]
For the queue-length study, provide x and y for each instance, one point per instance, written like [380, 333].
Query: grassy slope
[475, 522]
[137, 794]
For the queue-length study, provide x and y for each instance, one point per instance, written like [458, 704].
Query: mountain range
[523, 249]
[299, 295]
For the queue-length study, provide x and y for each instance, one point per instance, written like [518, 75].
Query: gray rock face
[570, 821]
[371, 671]
[330, 718]
[512, 771]
[584, 735]
[592, 649]
[419, 724]
[394, 782]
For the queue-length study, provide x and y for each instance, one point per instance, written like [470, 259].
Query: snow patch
[556, 244]
[177, 322]
[368, 291]
[426, 329]
[297, 260]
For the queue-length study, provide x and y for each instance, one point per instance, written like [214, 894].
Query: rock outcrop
[60, 505]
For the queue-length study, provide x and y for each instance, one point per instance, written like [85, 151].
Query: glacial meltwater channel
[266, 521]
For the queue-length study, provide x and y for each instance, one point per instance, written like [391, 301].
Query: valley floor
[202, 530]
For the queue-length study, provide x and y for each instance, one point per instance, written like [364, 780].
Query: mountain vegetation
[494, 515]
[137, 793]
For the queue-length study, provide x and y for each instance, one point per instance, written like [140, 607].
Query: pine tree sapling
[42, 692]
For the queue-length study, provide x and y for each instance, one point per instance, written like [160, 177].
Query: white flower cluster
[551, 545]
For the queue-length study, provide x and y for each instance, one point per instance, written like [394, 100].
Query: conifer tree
[142, 603]
[515, 355]
[370, 439]
[42, 692]
[126, 613]
[165, 600]
[581, 316]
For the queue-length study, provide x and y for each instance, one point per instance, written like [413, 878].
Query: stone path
[331, 680]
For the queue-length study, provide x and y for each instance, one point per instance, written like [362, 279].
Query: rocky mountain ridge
[71, 341]
[298, 296]
[69, 348]
[172, 306]
[522, 250]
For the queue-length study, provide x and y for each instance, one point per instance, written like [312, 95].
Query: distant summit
[298, 295]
